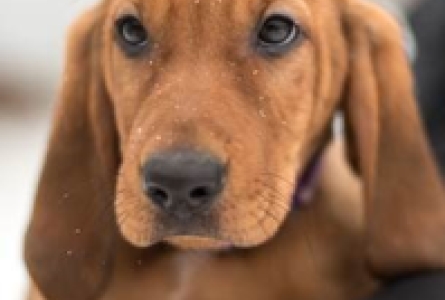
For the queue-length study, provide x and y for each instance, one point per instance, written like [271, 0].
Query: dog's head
[216, 111]
[190, 122]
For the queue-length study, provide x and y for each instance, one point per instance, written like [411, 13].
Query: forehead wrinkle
[243, 10]
[154, 13]
[227, 23]
[180, 21]
[202, 27]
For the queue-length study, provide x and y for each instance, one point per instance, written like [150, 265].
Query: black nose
[183, 182]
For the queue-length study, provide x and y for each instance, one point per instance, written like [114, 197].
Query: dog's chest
[200, 276]
[311, 258]
[190, 276]
[188, 268]
[305, 272]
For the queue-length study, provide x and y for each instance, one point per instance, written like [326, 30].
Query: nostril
[200, 192]
[158, 195]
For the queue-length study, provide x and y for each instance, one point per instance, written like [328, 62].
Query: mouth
[186, 242]
[194, 231]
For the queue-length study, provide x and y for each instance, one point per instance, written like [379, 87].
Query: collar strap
[305, 189]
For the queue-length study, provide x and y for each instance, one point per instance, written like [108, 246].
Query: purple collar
[307, 182]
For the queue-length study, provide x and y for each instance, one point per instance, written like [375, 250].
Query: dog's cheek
[252, 218]
[260, 184]
[251, 230]
[134, 216]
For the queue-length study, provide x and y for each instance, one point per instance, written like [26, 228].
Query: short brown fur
[94, 234]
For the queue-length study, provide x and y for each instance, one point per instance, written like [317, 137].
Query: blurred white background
[32, 39]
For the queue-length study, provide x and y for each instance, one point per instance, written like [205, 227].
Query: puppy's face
[218, 106]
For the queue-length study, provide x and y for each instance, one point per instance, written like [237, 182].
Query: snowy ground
[31, 50]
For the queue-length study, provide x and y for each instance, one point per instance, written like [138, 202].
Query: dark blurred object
[25, 95]
[428, 22]
[416, 287]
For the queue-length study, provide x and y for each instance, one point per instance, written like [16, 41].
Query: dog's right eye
[277, 34]
[131, 35]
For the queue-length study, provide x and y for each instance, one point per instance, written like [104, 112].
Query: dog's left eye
[278, 32]
[132, 36]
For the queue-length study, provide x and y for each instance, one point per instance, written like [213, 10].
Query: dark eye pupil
[277, 30]
[132, 31]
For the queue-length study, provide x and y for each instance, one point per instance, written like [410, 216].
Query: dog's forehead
[209, 6]
[165, 12]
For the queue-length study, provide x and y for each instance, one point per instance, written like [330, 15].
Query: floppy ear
[69, 242]
[405, 202]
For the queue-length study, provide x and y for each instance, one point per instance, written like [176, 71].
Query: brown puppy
[187, 124]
